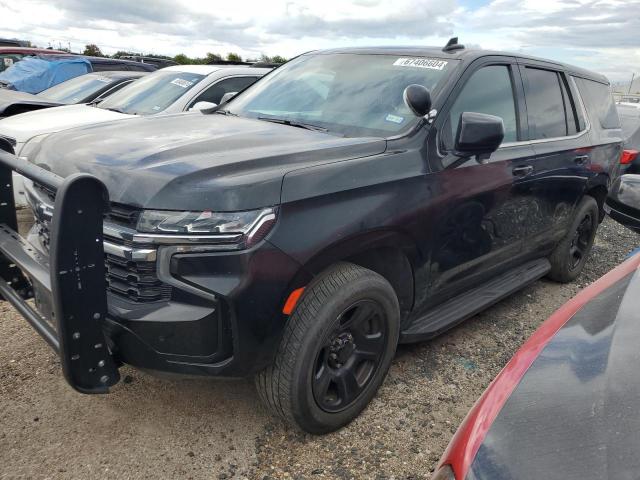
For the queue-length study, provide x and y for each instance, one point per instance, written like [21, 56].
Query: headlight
[31, 147]
[250, 226]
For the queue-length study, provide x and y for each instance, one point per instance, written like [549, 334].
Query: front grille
[136, 281]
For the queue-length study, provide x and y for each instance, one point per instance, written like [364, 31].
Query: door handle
[522, 171]
[581, 159]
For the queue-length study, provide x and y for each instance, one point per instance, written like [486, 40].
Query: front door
[477, 231]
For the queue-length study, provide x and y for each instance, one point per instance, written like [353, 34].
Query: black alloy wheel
[349, 356]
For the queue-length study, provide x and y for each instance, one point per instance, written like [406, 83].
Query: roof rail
[453, 45]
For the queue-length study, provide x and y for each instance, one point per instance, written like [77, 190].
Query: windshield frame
[410, 126]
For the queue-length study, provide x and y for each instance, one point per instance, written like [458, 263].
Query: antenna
[452, 45]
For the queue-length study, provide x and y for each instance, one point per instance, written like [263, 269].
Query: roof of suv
[463, 54]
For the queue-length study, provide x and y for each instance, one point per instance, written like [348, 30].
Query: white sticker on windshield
[394, 119]
[8, 62]
[431, 63]
[182, 83]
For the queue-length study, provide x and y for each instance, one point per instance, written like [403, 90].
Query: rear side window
[490, 91]
[599, 102]
[545, 104]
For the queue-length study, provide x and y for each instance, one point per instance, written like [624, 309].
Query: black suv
[349, 200]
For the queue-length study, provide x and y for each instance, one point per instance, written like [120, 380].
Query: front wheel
[336, 350]
[569, 257]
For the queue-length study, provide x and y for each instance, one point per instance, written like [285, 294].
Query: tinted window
[545, 105]
[569, 109]
[489, 90]
[599, 102]
[216, 91]
[350, 94]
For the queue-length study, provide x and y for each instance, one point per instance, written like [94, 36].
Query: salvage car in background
[566, 404]
[350, 200]
[170, 90]
[630, 120]
[37, 73]
[11, 55]
[91, 87]
[623, 201]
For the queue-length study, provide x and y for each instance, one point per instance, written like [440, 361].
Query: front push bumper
[69, 286]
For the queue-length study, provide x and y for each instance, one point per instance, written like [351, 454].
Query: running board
[468, 304]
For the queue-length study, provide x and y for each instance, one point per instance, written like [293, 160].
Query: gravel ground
[193, 428]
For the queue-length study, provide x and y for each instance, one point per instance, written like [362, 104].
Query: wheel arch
[598, 188]
[389, 253]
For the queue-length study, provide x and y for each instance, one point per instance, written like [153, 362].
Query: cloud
[369, 19]
[597, 34]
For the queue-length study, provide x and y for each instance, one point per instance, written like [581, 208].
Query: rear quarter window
[599, 103]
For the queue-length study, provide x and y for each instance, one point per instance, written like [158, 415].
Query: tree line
[182, 59]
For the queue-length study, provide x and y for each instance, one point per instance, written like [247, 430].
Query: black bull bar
[71, 278]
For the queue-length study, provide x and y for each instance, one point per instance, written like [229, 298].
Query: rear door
[555, 179]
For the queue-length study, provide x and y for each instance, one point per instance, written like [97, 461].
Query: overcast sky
[602, 35]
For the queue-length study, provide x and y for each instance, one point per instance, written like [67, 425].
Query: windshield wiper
[293, 123]
[225, 112]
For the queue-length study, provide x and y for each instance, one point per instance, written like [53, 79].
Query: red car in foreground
[566, 405]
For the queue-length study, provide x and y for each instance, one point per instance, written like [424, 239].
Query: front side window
[152, 93]
[490, 91]
[216, 91]
[347, 94]
[76, 89]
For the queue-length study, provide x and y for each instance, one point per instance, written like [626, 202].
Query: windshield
[76, 89]
[346, 94]
[151, 94]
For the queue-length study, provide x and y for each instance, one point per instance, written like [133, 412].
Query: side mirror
[199, 106]
[478, 135]
[418, 99]
[227, 96]
[623, 201]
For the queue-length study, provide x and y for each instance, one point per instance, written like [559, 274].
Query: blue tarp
[35, 74]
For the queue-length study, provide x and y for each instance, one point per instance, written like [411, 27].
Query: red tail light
[628, 156]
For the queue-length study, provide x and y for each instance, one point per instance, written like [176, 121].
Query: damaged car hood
[193, 161]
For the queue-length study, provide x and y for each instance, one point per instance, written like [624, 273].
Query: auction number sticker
[182, 83]
[431, 63]
[8, 62]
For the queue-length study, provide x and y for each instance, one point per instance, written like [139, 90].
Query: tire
[570, 255]
[311, 382]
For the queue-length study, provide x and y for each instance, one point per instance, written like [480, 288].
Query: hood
[574, 413]
[193, 161]
[27, 125]
[11, 101]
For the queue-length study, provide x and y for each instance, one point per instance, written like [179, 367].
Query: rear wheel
[569, 257]
[336, 350]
